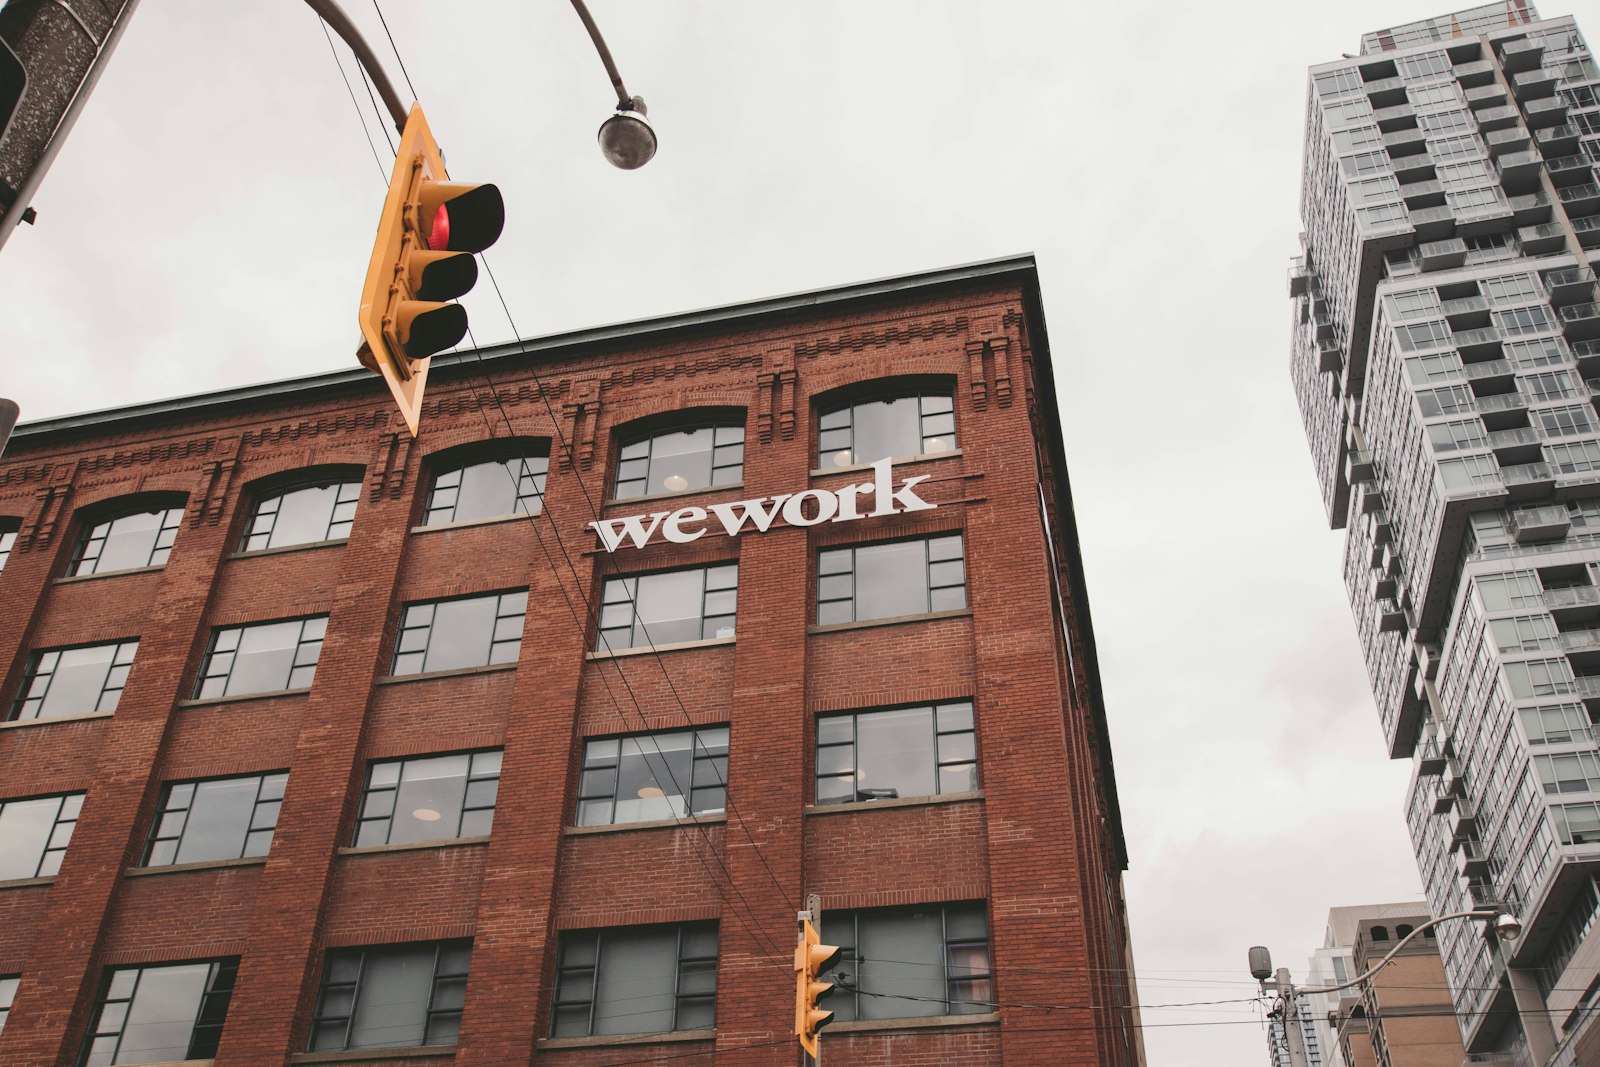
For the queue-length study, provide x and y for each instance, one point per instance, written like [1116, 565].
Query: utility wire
[356, 104]
[405, 73]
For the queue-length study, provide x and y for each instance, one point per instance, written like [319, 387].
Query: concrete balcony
[1580, 199]
[1511, 139]
[1413, 168]
[1404, 142]
[1533, 84]
[1358, 467]
[1330, 355]
[1477, 73]
[1497, 118]
[1395, 117]
[1519, 444]
[1587, 354]
[1527, 480]
[1391, 619]
[1470, 860]
[1518, 170]
[1520, 55]
[1569, 285]
[1542, 238]
[1580, 641]
[1464, 820]
[1386, 92]
[1571, 597]
[1569, 170]
[1466, 311]
[1300, 276]
[1580, 322]
[1559, 140]
[1473, 346]
[1551, 111]
[1534, 525]
[1501, 407]
[1588, 230]
[1488, 94]
[1433, 223]
[1442, 255]
[1530, 208]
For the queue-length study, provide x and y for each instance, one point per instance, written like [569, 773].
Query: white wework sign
[807, 508]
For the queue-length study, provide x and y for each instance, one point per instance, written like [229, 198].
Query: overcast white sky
[210, 219]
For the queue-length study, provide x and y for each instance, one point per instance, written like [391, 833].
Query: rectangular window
[1446, 400]
[644, 778]
[1465, 434]
[1427, 66]
[888, 580]
[1422, 335]
[131, 540]
[443, 635]
[1431, 370]
[1367, 163]
[1519, 321]
[1469, 472]
[392, 996]
[8, 994]
[217, 819]
[1555, 724]
[1576, 772]
[159, 1014]
[34, 834]
[1549, 385]
[1504, 592]
[1357, 139]
[921, 424]
[898, 752]
[1454, 147]
[1511, 289]
[1539, 677]
[1536, 353]
[1433, 95]
[1577, 824]
[1347, 113]
[668, 607]
[1524, 633]
[902, 963]
[1380, 190]
[490, 490]
[636, 980]
[303, 515]
[1336, 82]
[429, 798]
[74, 681]
[1416, 304]
[1574, 457]
[1444, 122]
[262, 658]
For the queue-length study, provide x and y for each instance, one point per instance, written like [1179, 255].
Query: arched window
[481, 488]
[8, 539]
[682, 458]
[304, 510]
[916, 421]
[1403, 930]
[1380, 933]
[134, 536]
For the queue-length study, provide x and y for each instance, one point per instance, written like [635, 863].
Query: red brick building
[321, 744]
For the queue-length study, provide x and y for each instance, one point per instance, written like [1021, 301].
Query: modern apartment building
[1445, 344]
[523, 741]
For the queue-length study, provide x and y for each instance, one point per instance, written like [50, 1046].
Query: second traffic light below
[422, 259]
[811, 960]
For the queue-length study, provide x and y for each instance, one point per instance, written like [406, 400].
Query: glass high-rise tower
[1446, 358]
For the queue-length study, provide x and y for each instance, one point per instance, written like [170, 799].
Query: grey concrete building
[1446, 358]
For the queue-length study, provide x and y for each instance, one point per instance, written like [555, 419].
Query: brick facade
[1039, 844]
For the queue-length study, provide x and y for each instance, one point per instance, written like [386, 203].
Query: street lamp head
[1260, 963]
[1507, 927]
[627, 139]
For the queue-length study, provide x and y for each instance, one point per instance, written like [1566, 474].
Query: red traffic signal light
[422, 258]
[811, 959]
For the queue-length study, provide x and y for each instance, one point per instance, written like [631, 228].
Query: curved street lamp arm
[330, 12]
[624, 101]
[1484, 913]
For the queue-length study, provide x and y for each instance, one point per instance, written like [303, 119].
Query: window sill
[520, 516]
[623, 653]
[239, 698]
[182, 1063]
[454, 672]
[412, 846]
[16, 724]
[69, 579]
[895, 620]
[898, 461]
[357, 1055]
[198, 865]
[896, 802]
[552, 1043]
[24, 883]
[858, 1026]
[653, 824]
[303, 546]
[649, 497]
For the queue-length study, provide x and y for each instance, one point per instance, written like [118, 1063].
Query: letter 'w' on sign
[733, 516]
[614, 531]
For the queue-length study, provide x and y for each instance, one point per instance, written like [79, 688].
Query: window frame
[9, 984]
[405, 626]
[849, 957]
[106, 517]
[940, 763]
[703, 759]
[349, 484]
[297, 661]
[121, 660]
[566, 972]
[473, 776]
[457, 462]
[619, 590]
[68, 809]
[431, 1013]
[220, 967]
[853, 398]
[929, 588]
[269, 796]
[649, 430]
[9, 530]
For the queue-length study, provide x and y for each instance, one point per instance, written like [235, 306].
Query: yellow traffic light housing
[422, 259]
[811, 959]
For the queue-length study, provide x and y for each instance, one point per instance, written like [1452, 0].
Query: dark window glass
[137, 539]
[34, 834]
[392, 996]
[487, 490]
[429, 798]
[74, 681]
[303, 516]
[643, 778]
[8, 994]
[262, 658]
[638, 980]
[8, 540]
[898, 963]
[681, 460]
[668, 607]
[443, 635]
[884, 581]
[219, 819]
[160, 1014]
[916, 425]
[899, 752]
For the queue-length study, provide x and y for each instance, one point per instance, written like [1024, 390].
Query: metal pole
[623, 99]
[1293, 1039]
[334, 16]
[813, 900]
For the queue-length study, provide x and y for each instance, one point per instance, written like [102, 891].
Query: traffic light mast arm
[334, 16]
[624, 101]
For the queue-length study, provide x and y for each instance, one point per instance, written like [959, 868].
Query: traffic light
[811, 959]
[421, 260]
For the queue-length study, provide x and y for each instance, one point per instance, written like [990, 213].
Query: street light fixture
[627, 139]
